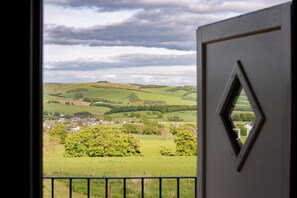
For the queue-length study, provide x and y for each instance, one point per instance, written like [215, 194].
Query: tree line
[160, 108]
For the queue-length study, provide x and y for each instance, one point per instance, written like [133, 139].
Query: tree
[101, 141]
[57, 114]
[236, 117]
[173, 130]
[175, 118]
[186, 143]
[160, 115]
[129, 128]
[152, 127]
[59, 130]
[189, 127]
[82, 114]
[49, 144]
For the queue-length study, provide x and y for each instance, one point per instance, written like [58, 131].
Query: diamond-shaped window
[240, 114]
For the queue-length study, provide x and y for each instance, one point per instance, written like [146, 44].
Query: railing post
[160, 187]
[124, 187]
[108, 192]
[88, 183]
[70, 187]
[177, 186]
[142, 187]
[53, 190]
[195, 187]
[106, 188]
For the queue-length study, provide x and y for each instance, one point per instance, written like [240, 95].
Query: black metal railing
[88, 179]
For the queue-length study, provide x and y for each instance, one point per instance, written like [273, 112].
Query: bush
[101, 141]
[59, 130]
[53, 101]
[187, 126]
[175, 118]
[165, 151]
[78, 96]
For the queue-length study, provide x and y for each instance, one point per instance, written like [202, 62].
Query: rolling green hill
[99, 97]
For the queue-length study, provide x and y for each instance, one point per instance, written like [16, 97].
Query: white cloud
[123, 61]
[109, 76]
[59, 53]
[174, 75]
[82, 17]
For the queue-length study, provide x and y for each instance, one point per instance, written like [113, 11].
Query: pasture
[151, 164]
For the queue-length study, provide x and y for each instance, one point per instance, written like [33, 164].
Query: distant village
[76, 123]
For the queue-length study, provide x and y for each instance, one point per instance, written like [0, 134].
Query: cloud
[123, 61]
[164, 24]
[185, 5]
[133, 32]
[81, 52]
[110, 76]
[174, 75]
[82, 17]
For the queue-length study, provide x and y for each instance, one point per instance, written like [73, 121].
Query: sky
[130, 41]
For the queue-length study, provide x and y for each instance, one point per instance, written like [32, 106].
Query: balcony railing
[106, 181]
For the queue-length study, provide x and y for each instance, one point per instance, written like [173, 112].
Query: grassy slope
[73, 108]
[187, 116]
[110, 91]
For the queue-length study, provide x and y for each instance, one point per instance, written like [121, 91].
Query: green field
[151, 164]
[115, 94]
[187, 116]
[73, 109]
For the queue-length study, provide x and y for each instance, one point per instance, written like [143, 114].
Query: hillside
[98, 98]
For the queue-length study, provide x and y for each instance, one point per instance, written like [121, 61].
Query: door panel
[261, 42]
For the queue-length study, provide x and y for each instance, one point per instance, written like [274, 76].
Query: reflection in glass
[241, 116]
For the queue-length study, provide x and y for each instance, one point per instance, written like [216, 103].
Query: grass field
[73, 108]
[187, 116]
[115, 92]
[148, 165]
[151, 164]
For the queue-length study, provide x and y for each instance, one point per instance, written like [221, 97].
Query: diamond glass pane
[241, 116]
[240, 113]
